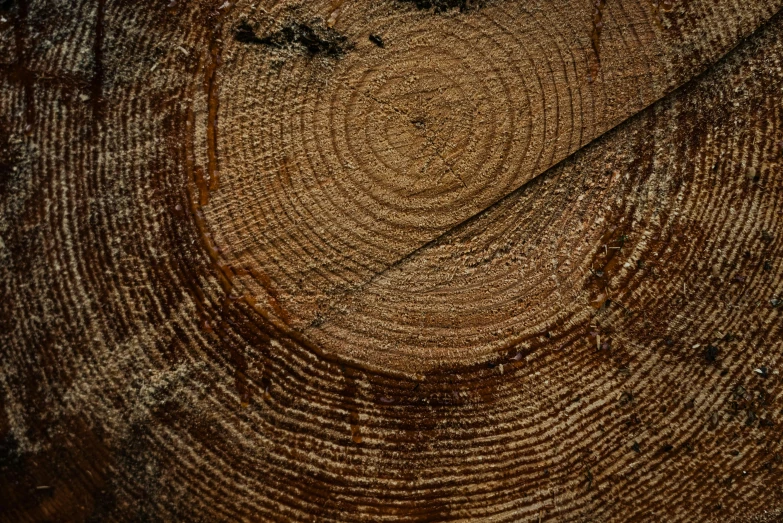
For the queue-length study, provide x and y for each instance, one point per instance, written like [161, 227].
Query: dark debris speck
[711, 353]
[314, 39]
[440, 6]
[245, 34]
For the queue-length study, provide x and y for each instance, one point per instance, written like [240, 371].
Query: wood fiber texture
[391, 260]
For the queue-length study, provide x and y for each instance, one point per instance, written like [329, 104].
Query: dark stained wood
[391, 260]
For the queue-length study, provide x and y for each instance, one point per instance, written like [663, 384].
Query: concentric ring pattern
[502, 261]
[337, 162]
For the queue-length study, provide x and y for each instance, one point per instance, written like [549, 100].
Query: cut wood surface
[394, 260]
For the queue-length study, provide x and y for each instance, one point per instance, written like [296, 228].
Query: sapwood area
[391, 260]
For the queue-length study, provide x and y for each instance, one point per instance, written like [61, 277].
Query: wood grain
[504, 261]
[336, 166]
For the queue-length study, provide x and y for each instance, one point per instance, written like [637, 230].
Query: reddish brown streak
[213, 104]
[595, 38]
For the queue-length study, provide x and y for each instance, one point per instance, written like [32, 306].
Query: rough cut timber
[391, 260]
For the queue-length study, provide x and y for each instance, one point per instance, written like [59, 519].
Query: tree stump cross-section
[398, 260]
